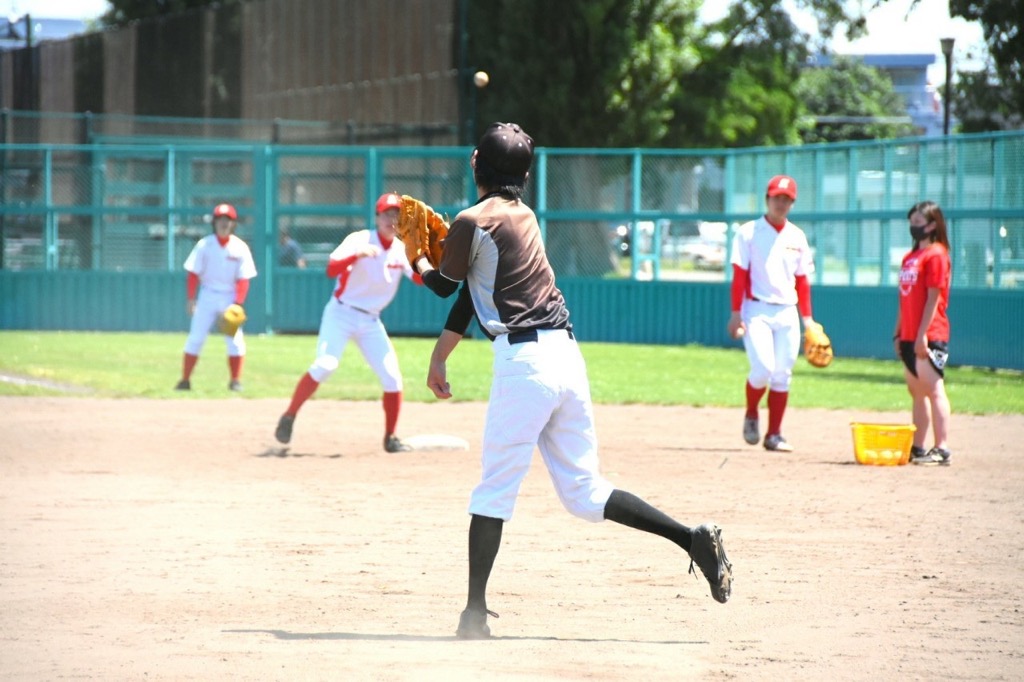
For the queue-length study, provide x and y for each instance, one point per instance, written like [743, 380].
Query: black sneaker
[473, 624]
[751, 431]
[707, 551]
[183, 385]
[283, 434]
[235, 385]
[394, 444]
[935, 456]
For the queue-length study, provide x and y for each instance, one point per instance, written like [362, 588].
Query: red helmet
[388, 201]
[782, 184]
[225, 210]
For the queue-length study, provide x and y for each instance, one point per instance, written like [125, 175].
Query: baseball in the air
[481, 79]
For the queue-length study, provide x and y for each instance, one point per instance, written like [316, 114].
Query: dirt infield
[171, 540]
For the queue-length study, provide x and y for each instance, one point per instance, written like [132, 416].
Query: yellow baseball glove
[817, 346]
[232, 319]
[421, 230]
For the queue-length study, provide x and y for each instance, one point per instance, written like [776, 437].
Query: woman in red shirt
[921, 338]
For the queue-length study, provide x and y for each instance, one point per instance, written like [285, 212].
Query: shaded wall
[376, 71]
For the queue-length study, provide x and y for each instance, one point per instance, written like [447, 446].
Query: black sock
[630, 510]
[484, 540]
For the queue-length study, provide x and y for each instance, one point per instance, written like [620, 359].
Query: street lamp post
[947, 52]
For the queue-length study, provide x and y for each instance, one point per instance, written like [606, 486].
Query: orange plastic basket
[882, 444]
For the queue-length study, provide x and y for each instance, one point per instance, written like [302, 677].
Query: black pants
[938, 354]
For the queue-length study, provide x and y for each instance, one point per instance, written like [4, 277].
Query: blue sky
[896, 29]
[55, 9]
[900, 27]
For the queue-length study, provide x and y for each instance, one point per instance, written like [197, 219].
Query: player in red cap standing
[219, 267]
[368, 266]
[771, 261]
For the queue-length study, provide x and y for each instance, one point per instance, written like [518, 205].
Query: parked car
[620, 240]
[622, 237]
[702, 244]
[705, 255]
[707, 251]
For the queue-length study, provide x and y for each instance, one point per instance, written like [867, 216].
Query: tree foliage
[581, 72]
[994, 98]
[626, 73]
[850, 101]
[740, 92]
[982, 104]
[126, 11]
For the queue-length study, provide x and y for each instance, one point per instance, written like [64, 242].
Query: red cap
[388, 201]
[225, 210]
[782, 184]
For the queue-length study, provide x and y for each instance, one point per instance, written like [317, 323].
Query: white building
[909, 75]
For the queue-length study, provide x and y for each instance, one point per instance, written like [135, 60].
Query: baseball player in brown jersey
[540, 394]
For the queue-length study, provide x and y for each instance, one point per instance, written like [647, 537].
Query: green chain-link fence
[641, 214]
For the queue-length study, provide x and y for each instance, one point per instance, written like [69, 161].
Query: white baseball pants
[340, 324]
[540, 397]
[210, 306]
[772, 342]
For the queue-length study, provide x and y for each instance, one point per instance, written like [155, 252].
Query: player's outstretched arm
[437, 374]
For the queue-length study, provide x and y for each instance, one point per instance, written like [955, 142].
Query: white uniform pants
[540, 397]
[210, 306]
[341, 323]
[772, 342]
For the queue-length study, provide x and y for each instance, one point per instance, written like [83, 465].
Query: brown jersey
[495, 246]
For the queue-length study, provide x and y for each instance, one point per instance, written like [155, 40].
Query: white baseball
[481, 79]
[740, 331]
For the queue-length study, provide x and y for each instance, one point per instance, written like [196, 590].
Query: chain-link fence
[642, 214]
[30, 127]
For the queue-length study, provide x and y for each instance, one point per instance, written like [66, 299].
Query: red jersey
[924, 269]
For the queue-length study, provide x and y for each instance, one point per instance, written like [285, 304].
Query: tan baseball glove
[421, 230]
[817, 346]
[232, 319]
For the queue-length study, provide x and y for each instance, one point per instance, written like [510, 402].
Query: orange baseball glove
[422, 230]
[817, 346]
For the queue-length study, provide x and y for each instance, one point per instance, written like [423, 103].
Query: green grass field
[125, 365]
